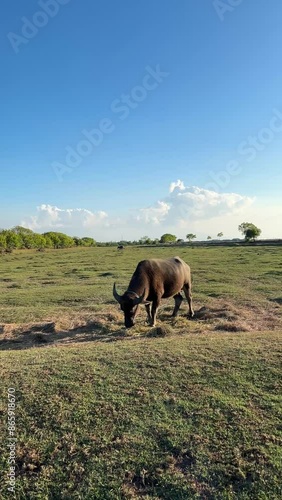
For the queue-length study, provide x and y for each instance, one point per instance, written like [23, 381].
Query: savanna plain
[187, 409]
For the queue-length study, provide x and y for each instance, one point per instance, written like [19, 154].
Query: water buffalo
[120, 247]
[152, 280]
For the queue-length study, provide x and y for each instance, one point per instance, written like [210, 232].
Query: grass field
[190, 409]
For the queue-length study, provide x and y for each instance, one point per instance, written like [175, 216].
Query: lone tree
[249, 231]
[168, 238]
[219, 235]
[209, 237]
[190, 237]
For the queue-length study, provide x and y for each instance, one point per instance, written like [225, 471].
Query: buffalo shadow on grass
[42, 336]
[108, 327]
[277, 300]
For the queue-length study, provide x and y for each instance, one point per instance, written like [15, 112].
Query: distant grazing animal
[120, 247]
[152, 280]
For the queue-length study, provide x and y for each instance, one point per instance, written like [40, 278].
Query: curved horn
[139, 300]
[116, 295]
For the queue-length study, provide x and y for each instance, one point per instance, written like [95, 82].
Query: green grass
[108, 414]
[183, 417]
[37, 286]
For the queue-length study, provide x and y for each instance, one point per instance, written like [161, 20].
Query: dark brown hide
[153, 280]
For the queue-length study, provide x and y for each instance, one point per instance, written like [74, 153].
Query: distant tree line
[248, 230]
[20, 237]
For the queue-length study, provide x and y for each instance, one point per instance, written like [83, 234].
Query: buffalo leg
[188, 295]
[155, 307]
[148, 310]
[177, 299]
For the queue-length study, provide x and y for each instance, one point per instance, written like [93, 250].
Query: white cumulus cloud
[183, 209]
[52, 217]
[154, 215]
[178, 184]
[192, 203]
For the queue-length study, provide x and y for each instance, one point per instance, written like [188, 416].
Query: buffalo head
[129, 303]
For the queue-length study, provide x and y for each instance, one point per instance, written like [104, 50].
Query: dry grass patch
[226, 316]
[161, 331]
[106, 323]
[232, 326]
[67, 329]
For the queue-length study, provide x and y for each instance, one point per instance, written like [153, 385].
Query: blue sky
[221, 91]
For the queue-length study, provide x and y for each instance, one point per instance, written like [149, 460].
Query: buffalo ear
[139, 300]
